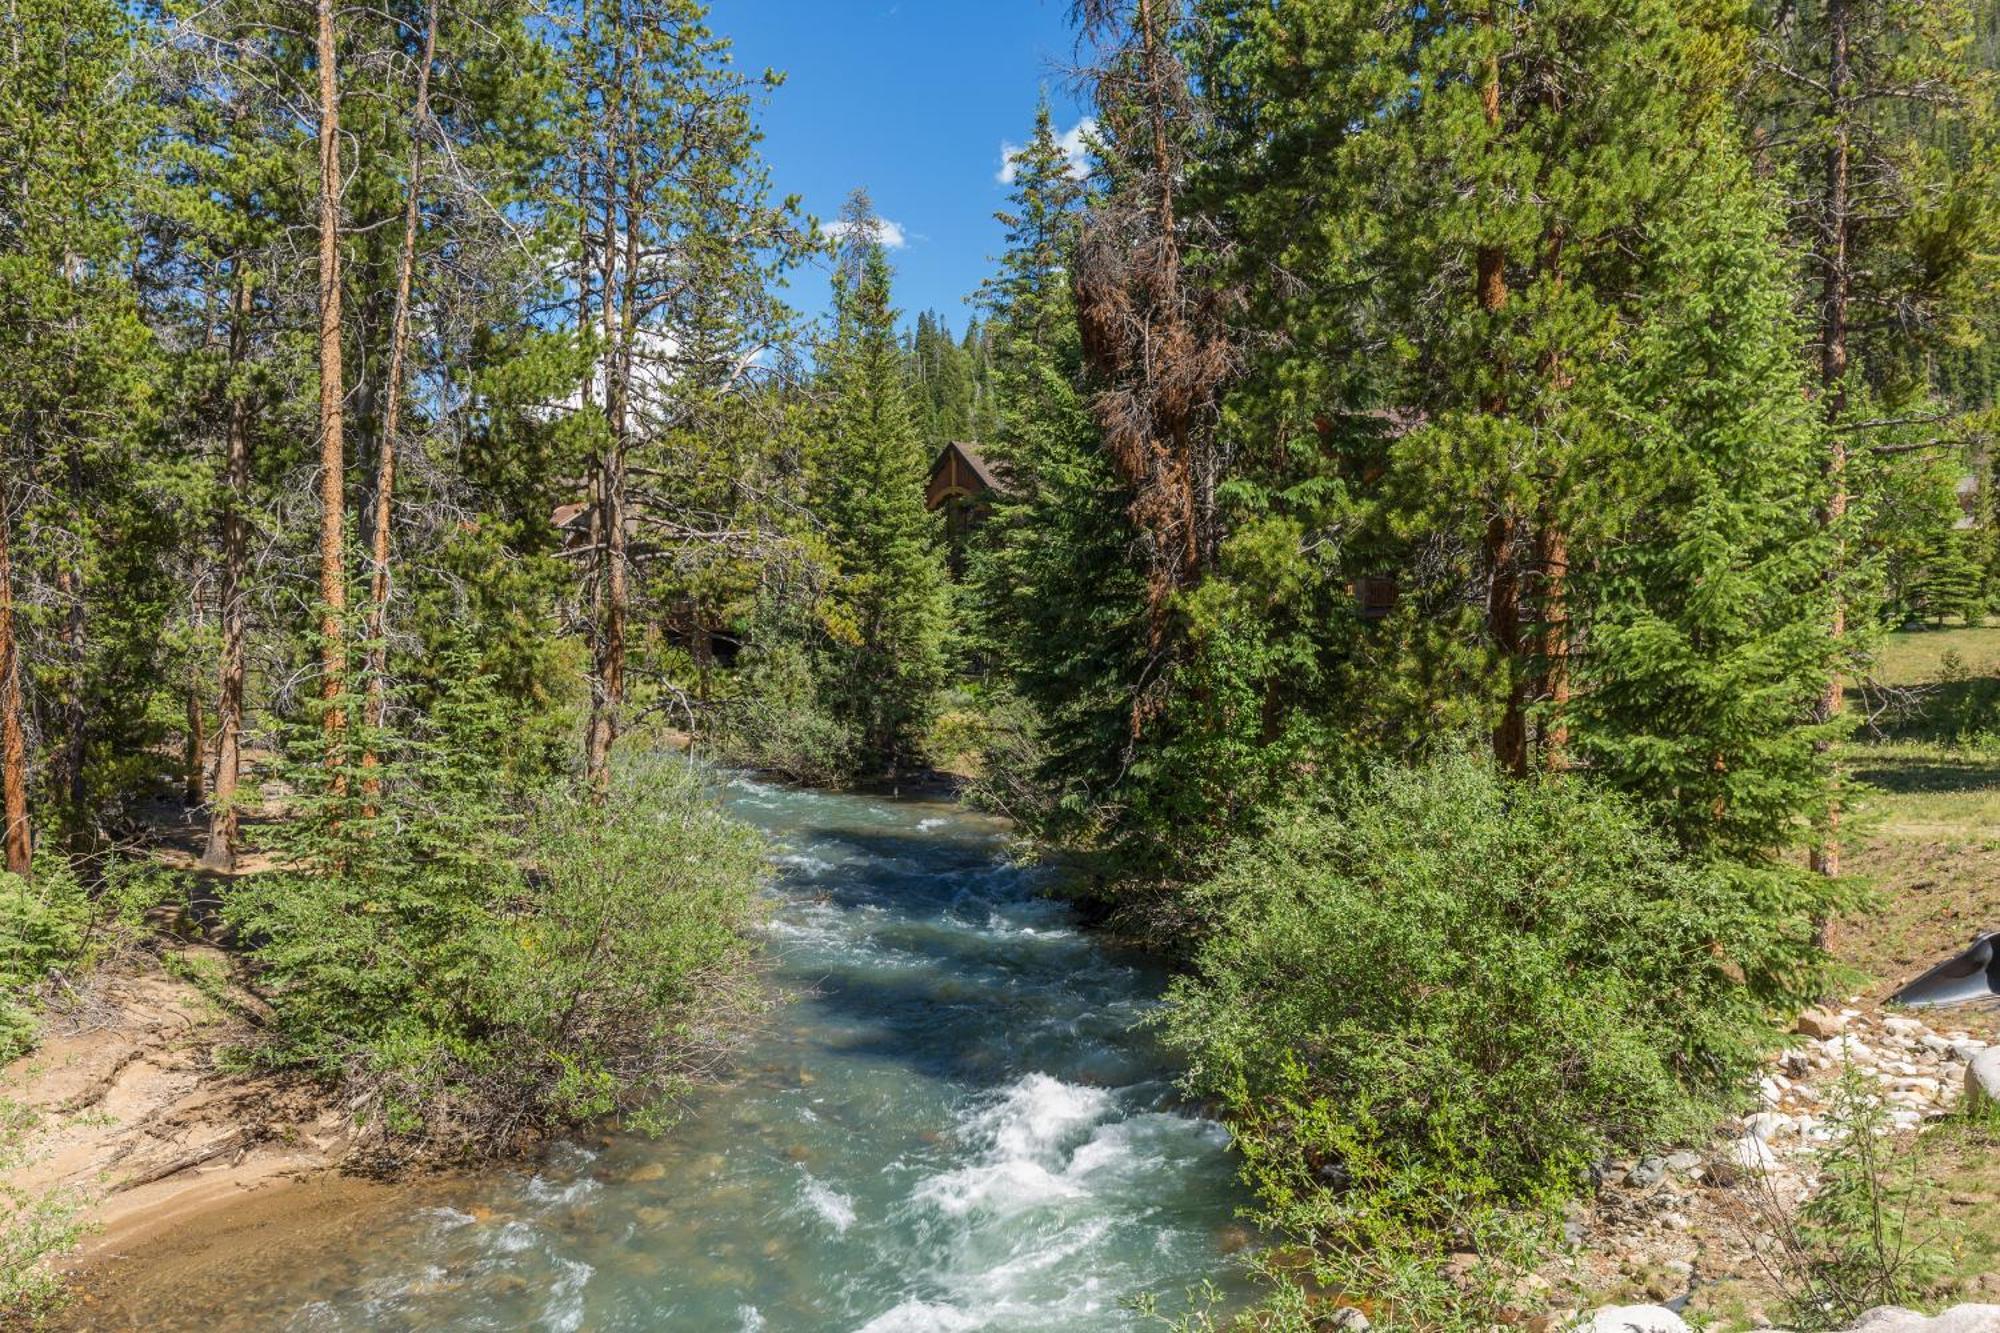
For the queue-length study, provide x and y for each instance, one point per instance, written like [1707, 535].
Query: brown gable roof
[972, 458]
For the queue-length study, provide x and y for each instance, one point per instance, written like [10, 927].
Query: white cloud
[1072, 144]
[890, 234]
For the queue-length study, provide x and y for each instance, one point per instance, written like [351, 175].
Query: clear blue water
[953, 1126]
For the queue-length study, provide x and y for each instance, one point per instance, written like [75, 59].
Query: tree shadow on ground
[1972, 772]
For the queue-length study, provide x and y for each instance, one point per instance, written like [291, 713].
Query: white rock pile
[1922, 1075]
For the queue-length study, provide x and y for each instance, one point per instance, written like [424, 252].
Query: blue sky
[913, 99]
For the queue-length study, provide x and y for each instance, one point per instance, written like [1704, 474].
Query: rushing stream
[954, 1127]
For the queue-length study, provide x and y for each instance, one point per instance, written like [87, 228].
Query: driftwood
[234, 1140]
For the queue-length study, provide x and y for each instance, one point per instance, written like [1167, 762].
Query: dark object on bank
[1970, 977]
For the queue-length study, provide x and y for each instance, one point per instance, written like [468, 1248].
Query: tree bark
[196, 757]
[333, 458]
[1552, 557]
[221, 851]
[1836, 294]
[608, 687]
[376, 707]
[1503, 537]
[14, 834]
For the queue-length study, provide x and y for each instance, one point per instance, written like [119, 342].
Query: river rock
[1961, 1319]
[1752, 1154]
[1633, 1319]
[1982, 1082]
[1817, 1023]
[1647, 1172]
[1767, 1125]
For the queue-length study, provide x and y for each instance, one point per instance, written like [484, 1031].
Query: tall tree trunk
[376, 707]
[196, 757]
[1552, 558]
[1836, 293]
[1503, 535]
[608, 689]
[14, 840]
[332, 450]
[221, 851]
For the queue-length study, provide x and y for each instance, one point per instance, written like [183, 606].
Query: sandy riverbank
[125, 1111]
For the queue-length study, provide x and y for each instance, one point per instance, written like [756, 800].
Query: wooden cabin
[959, 485]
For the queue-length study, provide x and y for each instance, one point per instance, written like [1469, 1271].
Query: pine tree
[1706, 614]
[85, 595]
[671, 285]
[890, 662]
[1498, 387]
[1878, 116]
[1061, 604]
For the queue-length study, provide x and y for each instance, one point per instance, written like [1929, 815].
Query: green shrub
[1437, 989]
[780, 722]
[36, 1228]
[631, 957]
[46, 926]
[469, 970]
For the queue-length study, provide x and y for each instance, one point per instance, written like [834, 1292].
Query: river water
[954, 1126]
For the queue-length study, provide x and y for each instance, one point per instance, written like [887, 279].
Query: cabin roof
[972, 458]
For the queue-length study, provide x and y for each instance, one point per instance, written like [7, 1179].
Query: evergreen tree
[888, 661]
[80, 498]
[1879, 116]
[1061, 605]
[941, 380]
[1499, 388]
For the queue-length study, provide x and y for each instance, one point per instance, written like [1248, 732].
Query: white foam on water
[1010, 1186]
[450, 1219]
[515, 1237]
[564, 1312]
[1027, 1132]
[1038, 1116]
[926, 825]
[922, 1317]
[749, 1319]
[833, 1207]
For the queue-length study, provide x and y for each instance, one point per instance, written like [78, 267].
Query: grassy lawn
[1928, 835]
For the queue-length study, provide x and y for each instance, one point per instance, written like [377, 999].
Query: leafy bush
[472, 972]
[1435, 989]
[36, 1228]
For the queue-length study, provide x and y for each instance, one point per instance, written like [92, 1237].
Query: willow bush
[1436, 988]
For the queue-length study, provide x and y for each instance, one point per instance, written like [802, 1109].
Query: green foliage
[1059, 602]
[1709, 613]
[35, 1228]
[1443, 990]
[885, 662]
[1860, 1240]
[52, 924]
[631, 953]
[409, 955]
[781, 723]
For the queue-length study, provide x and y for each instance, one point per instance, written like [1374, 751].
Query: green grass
[1914, 657]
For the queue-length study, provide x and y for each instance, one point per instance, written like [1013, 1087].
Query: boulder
[1633, 1319]
[1982, 1082]
[1820, 1024]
